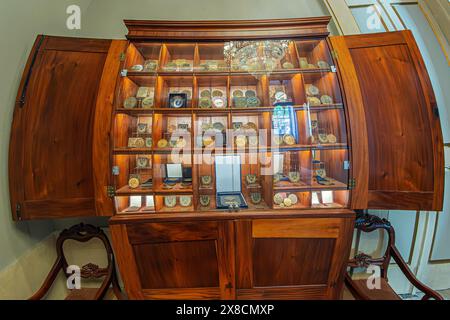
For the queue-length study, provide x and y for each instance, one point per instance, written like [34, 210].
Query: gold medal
[163, 143]
[134, 182]
[331, 138]
[289, 140]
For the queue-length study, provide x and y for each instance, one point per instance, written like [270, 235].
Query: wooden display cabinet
[94, 134]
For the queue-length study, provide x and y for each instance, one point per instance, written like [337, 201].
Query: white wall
[20, 22]
[104, 18]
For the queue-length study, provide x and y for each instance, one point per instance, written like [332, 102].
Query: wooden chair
[83, 233]
[358, 288]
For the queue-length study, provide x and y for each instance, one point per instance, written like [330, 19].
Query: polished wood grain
[291, 293]
[404, 137]
[227, 29]
[53, 150]
[103, 121]
[296, 256]
[359, 156]
[296, 228]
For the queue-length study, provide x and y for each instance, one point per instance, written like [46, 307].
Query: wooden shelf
[127, 191]
[132, 151]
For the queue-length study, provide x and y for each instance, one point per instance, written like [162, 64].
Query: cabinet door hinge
[19, 211]
[111, 191]
[352, 184]
[122, 56]
[335, 54]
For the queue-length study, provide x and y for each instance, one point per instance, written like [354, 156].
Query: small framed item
[205, 201]
[149, 204]
[143, 92]
[228, 183]
[135, 181]
[206, 181]
[185, 201]
[256, 198]
[142, 128]
[294, 177]
[251, 179]
[147, 103]
[170, 201]
[142, 162]
[177, 100]
[130, 103]
[135, 204]
[136, 143]
[148, 142]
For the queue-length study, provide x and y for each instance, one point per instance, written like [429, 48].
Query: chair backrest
[370, 223]
[84, 233]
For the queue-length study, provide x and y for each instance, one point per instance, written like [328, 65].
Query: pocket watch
[241, 141]
[148, 103]
[250, 94]
[251, 179]
[294, 177]
[312, 90]
[136, 143]
[205, 93]
[323, 64]
[219, 102]
[185, 201]
[137, 68]
[240, 102]
[278, 198]
[313, 101]
[142, 162]
[325, 99]
[217, 93]
[134, 181]
[238, 93]
[170, 201]
[278, 140]
[205, 201]
[294, 199]
[206, 181]
[253, 102]
[288, 65]
[130, 103]
[289, 139]
[323, 138]
[287, 202]
[331, 138]
[163, 143]
[150, 65]
[205, 103]
[142, 128]
[256, 198]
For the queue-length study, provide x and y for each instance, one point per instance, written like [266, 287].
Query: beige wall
[20, 22]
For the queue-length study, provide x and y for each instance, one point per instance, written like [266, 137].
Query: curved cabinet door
[60, 125]
[397, 157]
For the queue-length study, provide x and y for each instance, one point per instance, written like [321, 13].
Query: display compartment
[174, 203]
[329, 199]
[135, 204]
[136, 92]
[143, 57]
[288, 200]
[204, 181]
[290, 60]
[178, 57]
[133, 174]
[210, 58]
[211, 92]
[133, 133]
[172, 132]
[172, 174]
[250, 131]
[247, 91]
[322, 90]
[292, 170]
[327, 128]
[314, 55]
[286, 88]
[211, 131]
[169, 87]
[330, 169]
